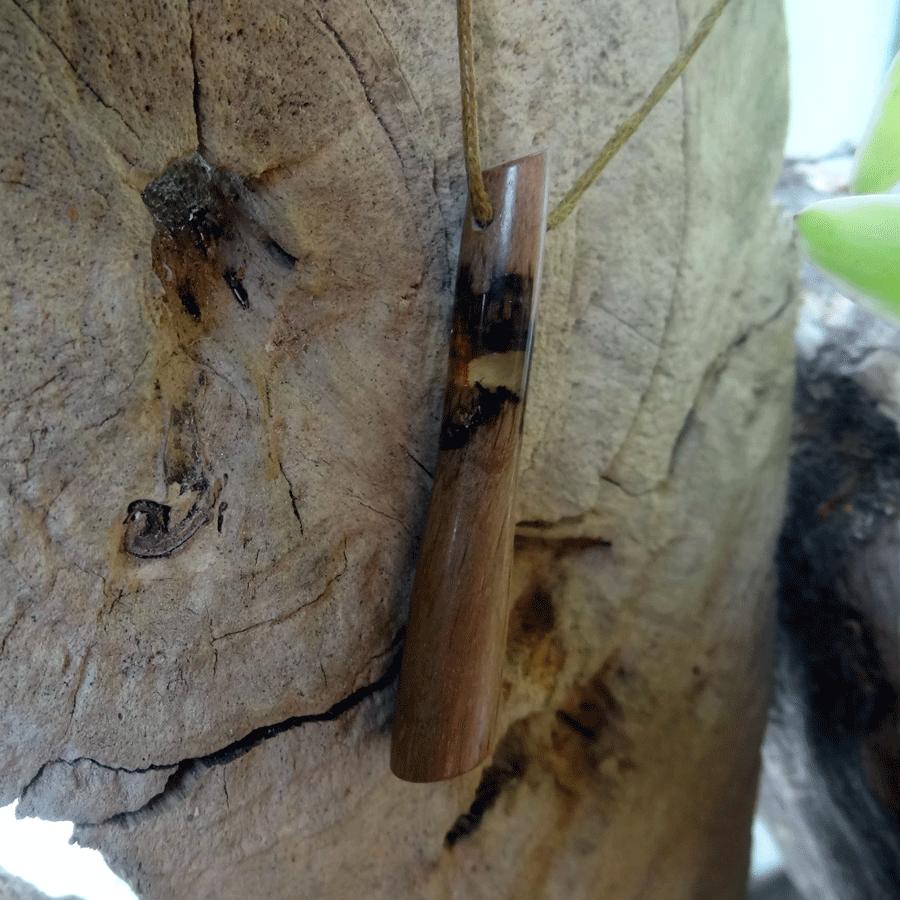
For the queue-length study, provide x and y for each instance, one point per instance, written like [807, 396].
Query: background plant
[856, 239]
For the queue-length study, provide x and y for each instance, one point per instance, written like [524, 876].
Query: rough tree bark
[221, 389]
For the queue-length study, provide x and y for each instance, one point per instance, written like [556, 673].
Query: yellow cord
[631, 124]
[481, 205]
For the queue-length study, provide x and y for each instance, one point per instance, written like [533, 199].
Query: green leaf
[877, 164]
[857, 240]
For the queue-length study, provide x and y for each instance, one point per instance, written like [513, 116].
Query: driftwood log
[831, 791]
[229, 238]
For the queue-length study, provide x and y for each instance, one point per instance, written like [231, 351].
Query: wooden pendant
[456, 636]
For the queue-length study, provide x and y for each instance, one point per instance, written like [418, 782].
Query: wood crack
[277, 620]
[362, 83]
[80, 676]
[32, 391]
[189, 771]
[9, 631]
[387, 515]
[195, 95]
[78, 78]
[714, 374]
[390, 47]
[292, 495]
[418, 462]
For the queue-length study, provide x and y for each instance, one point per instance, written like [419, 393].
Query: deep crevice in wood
[507, 767]
[180, 778]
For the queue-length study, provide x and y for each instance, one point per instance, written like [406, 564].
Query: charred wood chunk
[233, 280]
[469, 410]
[832, 748]
[187, 202]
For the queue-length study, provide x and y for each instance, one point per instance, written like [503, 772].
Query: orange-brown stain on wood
[589, 740]
[532, 645]
[192, 283]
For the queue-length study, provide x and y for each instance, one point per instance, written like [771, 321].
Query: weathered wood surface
[256, 389]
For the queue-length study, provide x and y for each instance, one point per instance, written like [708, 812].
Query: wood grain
[456, 636]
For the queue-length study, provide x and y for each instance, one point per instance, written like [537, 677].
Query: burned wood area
[831, 791]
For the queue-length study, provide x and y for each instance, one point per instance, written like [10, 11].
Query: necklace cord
[481, 205]
[632, 123]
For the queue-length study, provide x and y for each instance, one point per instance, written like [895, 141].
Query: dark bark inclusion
[150, 530]
[233, 280]
[188, 203]
[496, 321]
[469, 409]
[197, 213]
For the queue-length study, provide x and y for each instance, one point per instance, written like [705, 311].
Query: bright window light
[766, 856]
[839, 54]
[40, 852]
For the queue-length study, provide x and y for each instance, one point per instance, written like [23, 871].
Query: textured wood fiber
[255, 658]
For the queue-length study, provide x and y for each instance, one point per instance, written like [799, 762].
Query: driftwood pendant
[456, 636]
